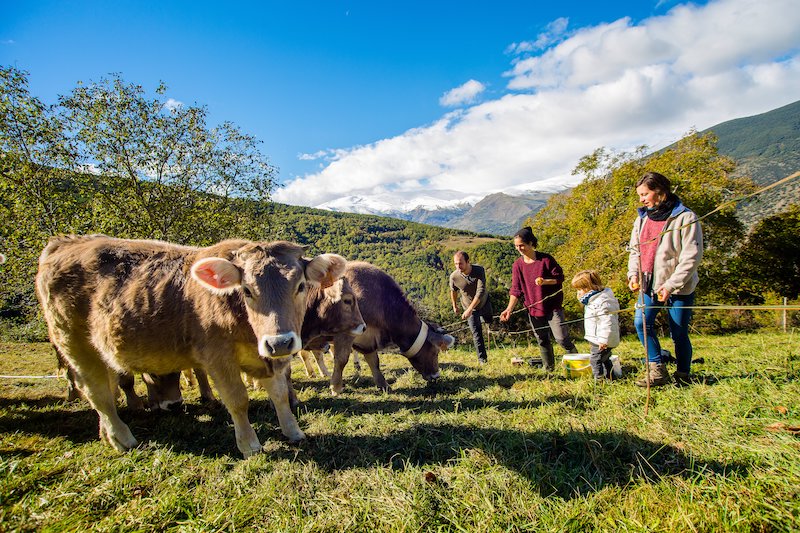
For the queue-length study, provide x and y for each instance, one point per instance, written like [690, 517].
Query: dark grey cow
[391, 320]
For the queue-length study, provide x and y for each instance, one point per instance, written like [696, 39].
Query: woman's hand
[633, 284]
[505, 315]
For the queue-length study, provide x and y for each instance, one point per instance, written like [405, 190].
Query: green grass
[491, 448]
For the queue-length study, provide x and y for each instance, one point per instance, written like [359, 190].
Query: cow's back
[126, 298]
[382, 302]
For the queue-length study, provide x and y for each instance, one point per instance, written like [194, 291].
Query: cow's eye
[247, 292]
[301, 288]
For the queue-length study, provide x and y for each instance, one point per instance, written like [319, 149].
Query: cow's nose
[278, 345]
[432, 377]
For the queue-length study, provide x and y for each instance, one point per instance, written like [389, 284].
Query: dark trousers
[476, 328]
[542, 326]
[600, 361]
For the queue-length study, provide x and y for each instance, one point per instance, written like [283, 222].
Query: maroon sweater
[522, 284]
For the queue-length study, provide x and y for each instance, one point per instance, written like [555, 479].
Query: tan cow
[115, 305]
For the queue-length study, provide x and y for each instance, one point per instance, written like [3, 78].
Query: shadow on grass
[566, 464]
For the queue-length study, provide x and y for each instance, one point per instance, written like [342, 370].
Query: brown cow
[390, 319]
[330, 310]
[115, 305]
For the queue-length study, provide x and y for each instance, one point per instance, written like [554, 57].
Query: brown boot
[658, 376]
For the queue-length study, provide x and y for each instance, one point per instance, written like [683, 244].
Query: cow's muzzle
[279, 345]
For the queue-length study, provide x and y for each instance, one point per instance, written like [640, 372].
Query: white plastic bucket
[577, 365]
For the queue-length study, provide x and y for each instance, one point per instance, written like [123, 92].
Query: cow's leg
[126, 383]
[188, 375]
[206, 393]
[294, 403]
[375, 366]
[320, 357]
[356, 363]
[72, 389]
[341, 354]
[278, 387]
[234, 396]
[305, 355]
[94, 380]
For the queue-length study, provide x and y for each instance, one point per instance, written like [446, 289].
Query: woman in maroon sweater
[537, 277]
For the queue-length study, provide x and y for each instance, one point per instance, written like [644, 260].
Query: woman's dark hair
[526, 235]
[656, 182]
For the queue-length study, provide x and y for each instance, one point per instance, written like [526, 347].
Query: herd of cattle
[117, 307]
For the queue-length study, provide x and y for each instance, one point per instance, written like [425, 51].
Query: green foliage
[771, 257]
[165, 173]
[38, 197]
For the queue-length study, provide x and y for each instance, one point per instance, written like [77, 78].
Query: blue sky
[426, 102]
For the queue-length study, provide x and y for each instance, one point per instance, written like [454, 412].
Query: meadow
[486, 448]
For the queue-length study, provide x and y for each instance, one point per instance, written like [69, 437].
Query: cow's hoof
[122, 445]
[250, 453]
[297, 437]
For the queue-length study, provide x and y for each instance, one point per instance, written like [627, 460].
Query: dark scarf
[588, 296]
[664, 209]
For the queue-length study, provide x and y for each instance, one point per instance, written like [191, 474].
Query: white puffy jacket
[601, 319]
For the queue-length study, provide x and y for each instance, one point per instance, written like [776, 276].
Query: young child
[600, 320]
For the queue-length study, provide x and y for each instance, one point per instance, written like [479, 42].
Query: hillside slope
[766, 148]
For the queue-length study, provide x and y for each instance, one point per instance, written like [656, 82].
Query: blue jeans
[679, 319]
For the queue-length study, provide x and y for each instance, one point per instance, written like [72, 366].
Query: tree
[38, 195]
[165, 173]
[771, 255]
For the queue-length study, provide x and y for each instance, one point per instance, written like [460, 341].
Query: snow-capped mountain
[498, 213]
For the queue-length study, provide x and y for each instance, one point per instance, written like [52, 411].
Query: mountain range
[766, 148]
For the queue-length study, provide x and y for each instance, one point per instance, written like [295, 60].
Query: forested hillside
[418, 256]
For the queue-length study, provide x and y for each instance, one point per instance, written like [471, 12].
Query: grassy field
[487, 448]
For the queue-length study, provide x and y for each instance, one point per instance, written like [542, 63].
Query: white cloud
[171, 104]
[464, 94]
[553, 33]
[617, 85]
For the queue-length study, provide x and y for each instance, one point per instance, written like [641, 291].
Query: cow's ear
[444, 342]
[217, 275]
[325, 269]
[334, 291]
